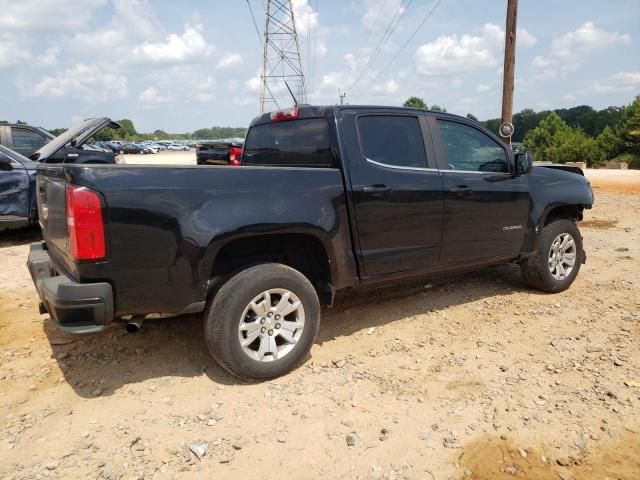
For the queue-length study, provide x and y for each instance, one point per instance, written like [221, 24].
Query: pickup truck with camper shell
[326, 199]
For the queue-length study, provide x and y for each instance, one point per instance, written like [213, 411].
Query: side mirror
[5, 163]
[524, 163]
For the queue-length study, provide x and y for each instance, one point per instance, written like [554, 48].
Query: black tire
[223, 316]
[535, 269]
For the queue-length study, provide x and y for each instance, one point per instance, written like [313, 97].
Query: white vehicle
[176, 146]
[152, 148]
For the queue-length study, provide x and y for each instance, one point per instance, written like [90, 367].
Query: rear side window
[297, 143]
[392, 140]
[24, 139]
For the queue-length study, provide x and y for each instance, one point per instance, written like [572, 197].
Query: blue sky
[179, 66]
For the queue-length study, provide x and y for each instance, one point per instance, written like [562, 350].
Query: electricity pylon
[281, 59]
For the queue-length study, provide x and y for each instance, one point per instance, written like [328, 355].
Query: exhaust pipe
[134, 324]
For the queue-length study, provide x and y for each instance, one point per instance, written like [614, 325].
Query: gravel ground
[473, 376]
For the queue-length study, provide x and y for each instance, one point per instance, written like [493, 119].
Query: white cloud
[568, 51]
[629, 78]
[230, 60]
[619, 82]
[88, 82]
[379, 12]
[150, 97]
[46, 15]
[177, 48]
[49, 57]
[10, 52]
[385, 88]
[186, 82]
[132, 23]
[524, 38]
[306, 18]
[452, 54]
[253, 84]
[483, 87]
[244, 100]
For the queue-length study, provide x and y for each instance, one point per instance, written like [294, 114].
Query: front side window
[469, 149]
[26, 140]
[297, 143]
[393, 140]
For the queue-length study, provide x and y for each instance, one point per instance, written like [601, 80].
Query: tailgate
[51, 197]
[213, 151]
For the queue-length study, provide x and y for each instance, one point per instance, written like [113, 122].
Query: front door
[396, 191]
[486, 207]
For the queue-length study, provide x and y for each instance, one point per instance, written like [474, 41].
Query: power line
[315, 46]
[377, 49]
[254, 22]
[404, 45]
[395, 20]
[375, 24]
[309, 85]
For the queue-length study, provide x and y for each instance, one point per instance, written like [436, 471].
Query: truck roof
[310, 111]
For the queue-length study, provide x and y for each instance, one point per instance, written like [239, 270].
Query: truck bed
[165, 224]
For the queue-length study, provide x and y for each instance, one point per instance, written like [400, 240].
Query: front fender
[551, 189]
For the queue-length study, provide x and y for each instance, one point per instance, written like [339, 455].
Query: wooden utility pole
[509, 69]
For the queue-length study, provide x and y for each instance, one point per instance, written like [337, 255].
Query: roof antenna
[295, 102]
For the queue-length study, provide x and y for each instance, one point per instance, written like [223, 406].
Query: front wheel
[262, 322]
[558, 257]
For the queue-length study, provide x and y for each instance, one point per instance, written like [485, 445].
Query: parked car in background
[132, 148]
[17, 190]
[148, 147]
[177, 146]
[219, 152]
[18, 173]
[72, 147]
[24, 139]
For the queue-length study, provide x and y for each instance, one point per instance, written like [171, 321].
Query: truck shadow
[170, 349]
[22, 236]
[355, 311]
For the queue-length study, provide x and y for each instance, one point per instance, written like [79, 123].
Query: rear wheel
[262, 322]
[558, 257]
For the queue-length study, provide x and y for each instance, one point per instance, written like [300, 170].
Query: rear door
[397, 191]
[486, 207]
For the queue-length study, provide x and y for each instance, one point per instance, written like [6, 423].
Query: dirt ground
[474, 376]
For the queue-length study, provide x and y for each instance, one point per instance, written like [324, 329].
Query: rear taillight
[285, 114]
[84, 224]
[235, 155]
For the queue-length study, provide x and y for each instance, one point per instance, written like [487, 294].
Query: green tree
[555, 141]
[471, 116]
[609, 143]
[57, 131]
[630, 128]
[415, 102]
[438, 108]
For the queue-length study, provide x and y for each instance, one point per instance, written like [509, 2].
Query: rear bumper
[77, 307]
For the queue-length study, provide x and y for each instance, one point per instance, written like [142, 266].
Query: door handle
[461, 191]
[72, 155]
[377, 190]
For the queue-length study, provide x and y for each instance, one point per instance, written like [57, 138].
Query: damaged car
[18, 173]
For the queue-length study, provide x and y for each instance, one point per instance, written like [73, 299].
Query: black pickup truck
[219, 152]
[327, 198]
